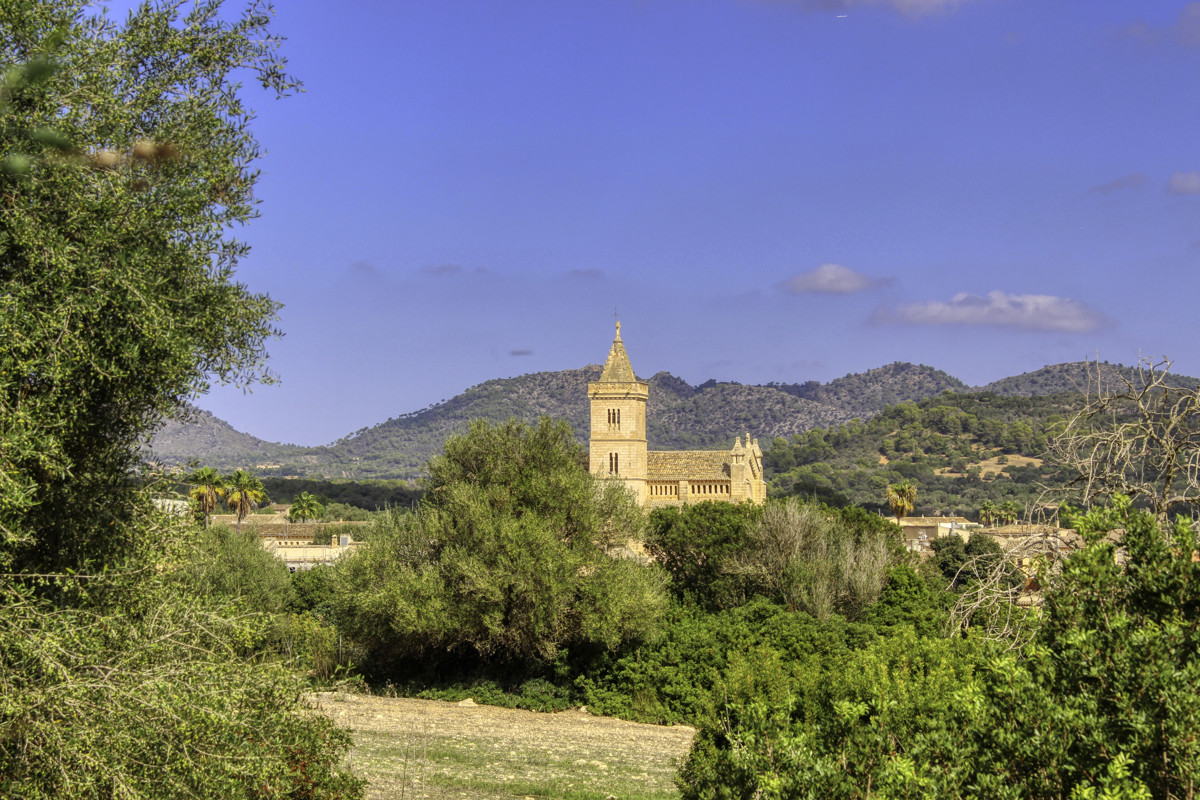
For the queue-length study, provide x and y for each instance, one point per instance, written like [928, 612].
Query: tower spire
[617, 368]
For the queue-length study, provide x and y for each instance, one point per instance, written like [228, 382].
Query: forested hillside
[680, 416]
[1074, 378]
[864, 394]
[960, 449]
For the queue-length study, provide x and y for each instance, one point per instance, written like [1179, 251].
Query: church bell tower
[617, 446]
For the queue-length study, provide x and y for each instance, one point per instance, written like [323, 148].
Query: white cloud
[1184, 183]
[1126, 182]
[1031, 312]
[829, 279]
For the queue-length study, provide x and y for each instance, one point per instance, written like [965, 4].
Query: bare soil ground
[410, 748]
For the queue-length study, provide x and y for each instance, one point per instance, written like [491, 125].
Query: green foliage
[1111, 671]
[694, 544]
[348, 498]
[843, 730]
[901, 498]
[938, 443]
[1102, 704]
[232, 565]
[158, 170]
[672, 680]
[164, 695]
[207, 487]
[814, 559]
[243, 493]
[127, 157]
[306, 507]
[962, 562]
[908, 598]
[506, 560]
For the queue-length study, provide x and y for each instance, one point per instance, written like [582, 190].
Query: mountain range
[679, 416]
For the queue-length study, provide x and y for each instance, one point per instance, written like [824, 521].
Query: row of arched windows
[614, 419]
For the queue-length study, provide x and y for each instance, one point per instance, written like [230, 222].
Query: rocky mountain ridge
[679, 416]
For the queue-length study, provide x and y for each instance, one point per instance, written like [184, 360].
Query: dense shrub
[1102, 704]
[695, 543]
[810, 558]
[164, 696]
[228, 564]
[672, 680]
[507, 559]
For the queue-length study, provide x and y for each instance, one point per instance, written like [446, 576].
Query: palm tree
[245, 493]
[988, 513]
[1010, 511]
[207, 488]
[306, 507]
[902, 498]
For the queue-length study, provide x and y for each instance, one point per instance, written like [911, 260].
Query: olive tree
[118, 298]
[126, 158]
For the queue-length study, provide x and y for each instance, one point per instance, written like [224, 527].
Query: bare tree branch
[1137, 435]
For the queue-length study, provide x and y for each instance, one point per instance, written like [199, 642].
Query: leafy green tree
[1010, 512]
[695, 543]
[127, 158]
[508, 559]
[207, 488]
[233, 565]
[159, 170]
[244, 493]
[901, 498]
[1100, 705]
[306, 507]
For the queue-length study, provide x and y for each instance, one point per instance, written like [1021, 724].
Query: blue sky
[763, 190]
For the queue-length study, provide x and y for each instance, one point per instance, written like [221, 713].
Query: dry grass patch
[992, 466]
[411, 748]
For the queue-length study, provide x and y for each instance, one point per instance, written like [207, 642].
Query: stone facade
[618, 448]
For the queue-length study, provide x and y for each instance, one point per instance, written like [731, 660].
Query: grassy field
[431, 749]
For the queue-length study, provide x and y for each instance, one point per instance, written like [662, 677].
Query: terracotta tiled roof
[696, 465]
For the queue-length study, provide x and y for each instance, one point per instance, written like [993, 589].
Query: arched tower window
[614, 419]
[614, 464]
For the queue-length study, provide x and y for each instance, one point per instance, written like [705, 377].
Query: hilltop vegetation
[961, 450]
[679, 416]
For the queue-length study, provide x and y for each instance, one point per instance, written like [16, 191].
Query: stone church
[617, 448]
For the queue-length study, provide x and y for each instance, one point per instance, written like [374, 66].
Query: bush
[672, 680]
[164, 698]
[808, 557]
[507, 560]
[1102, 704]
[695, 543]
[227, 564]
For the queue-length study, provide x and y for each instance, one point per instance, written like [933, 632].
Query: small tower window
[614, 419]
[614, 464]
